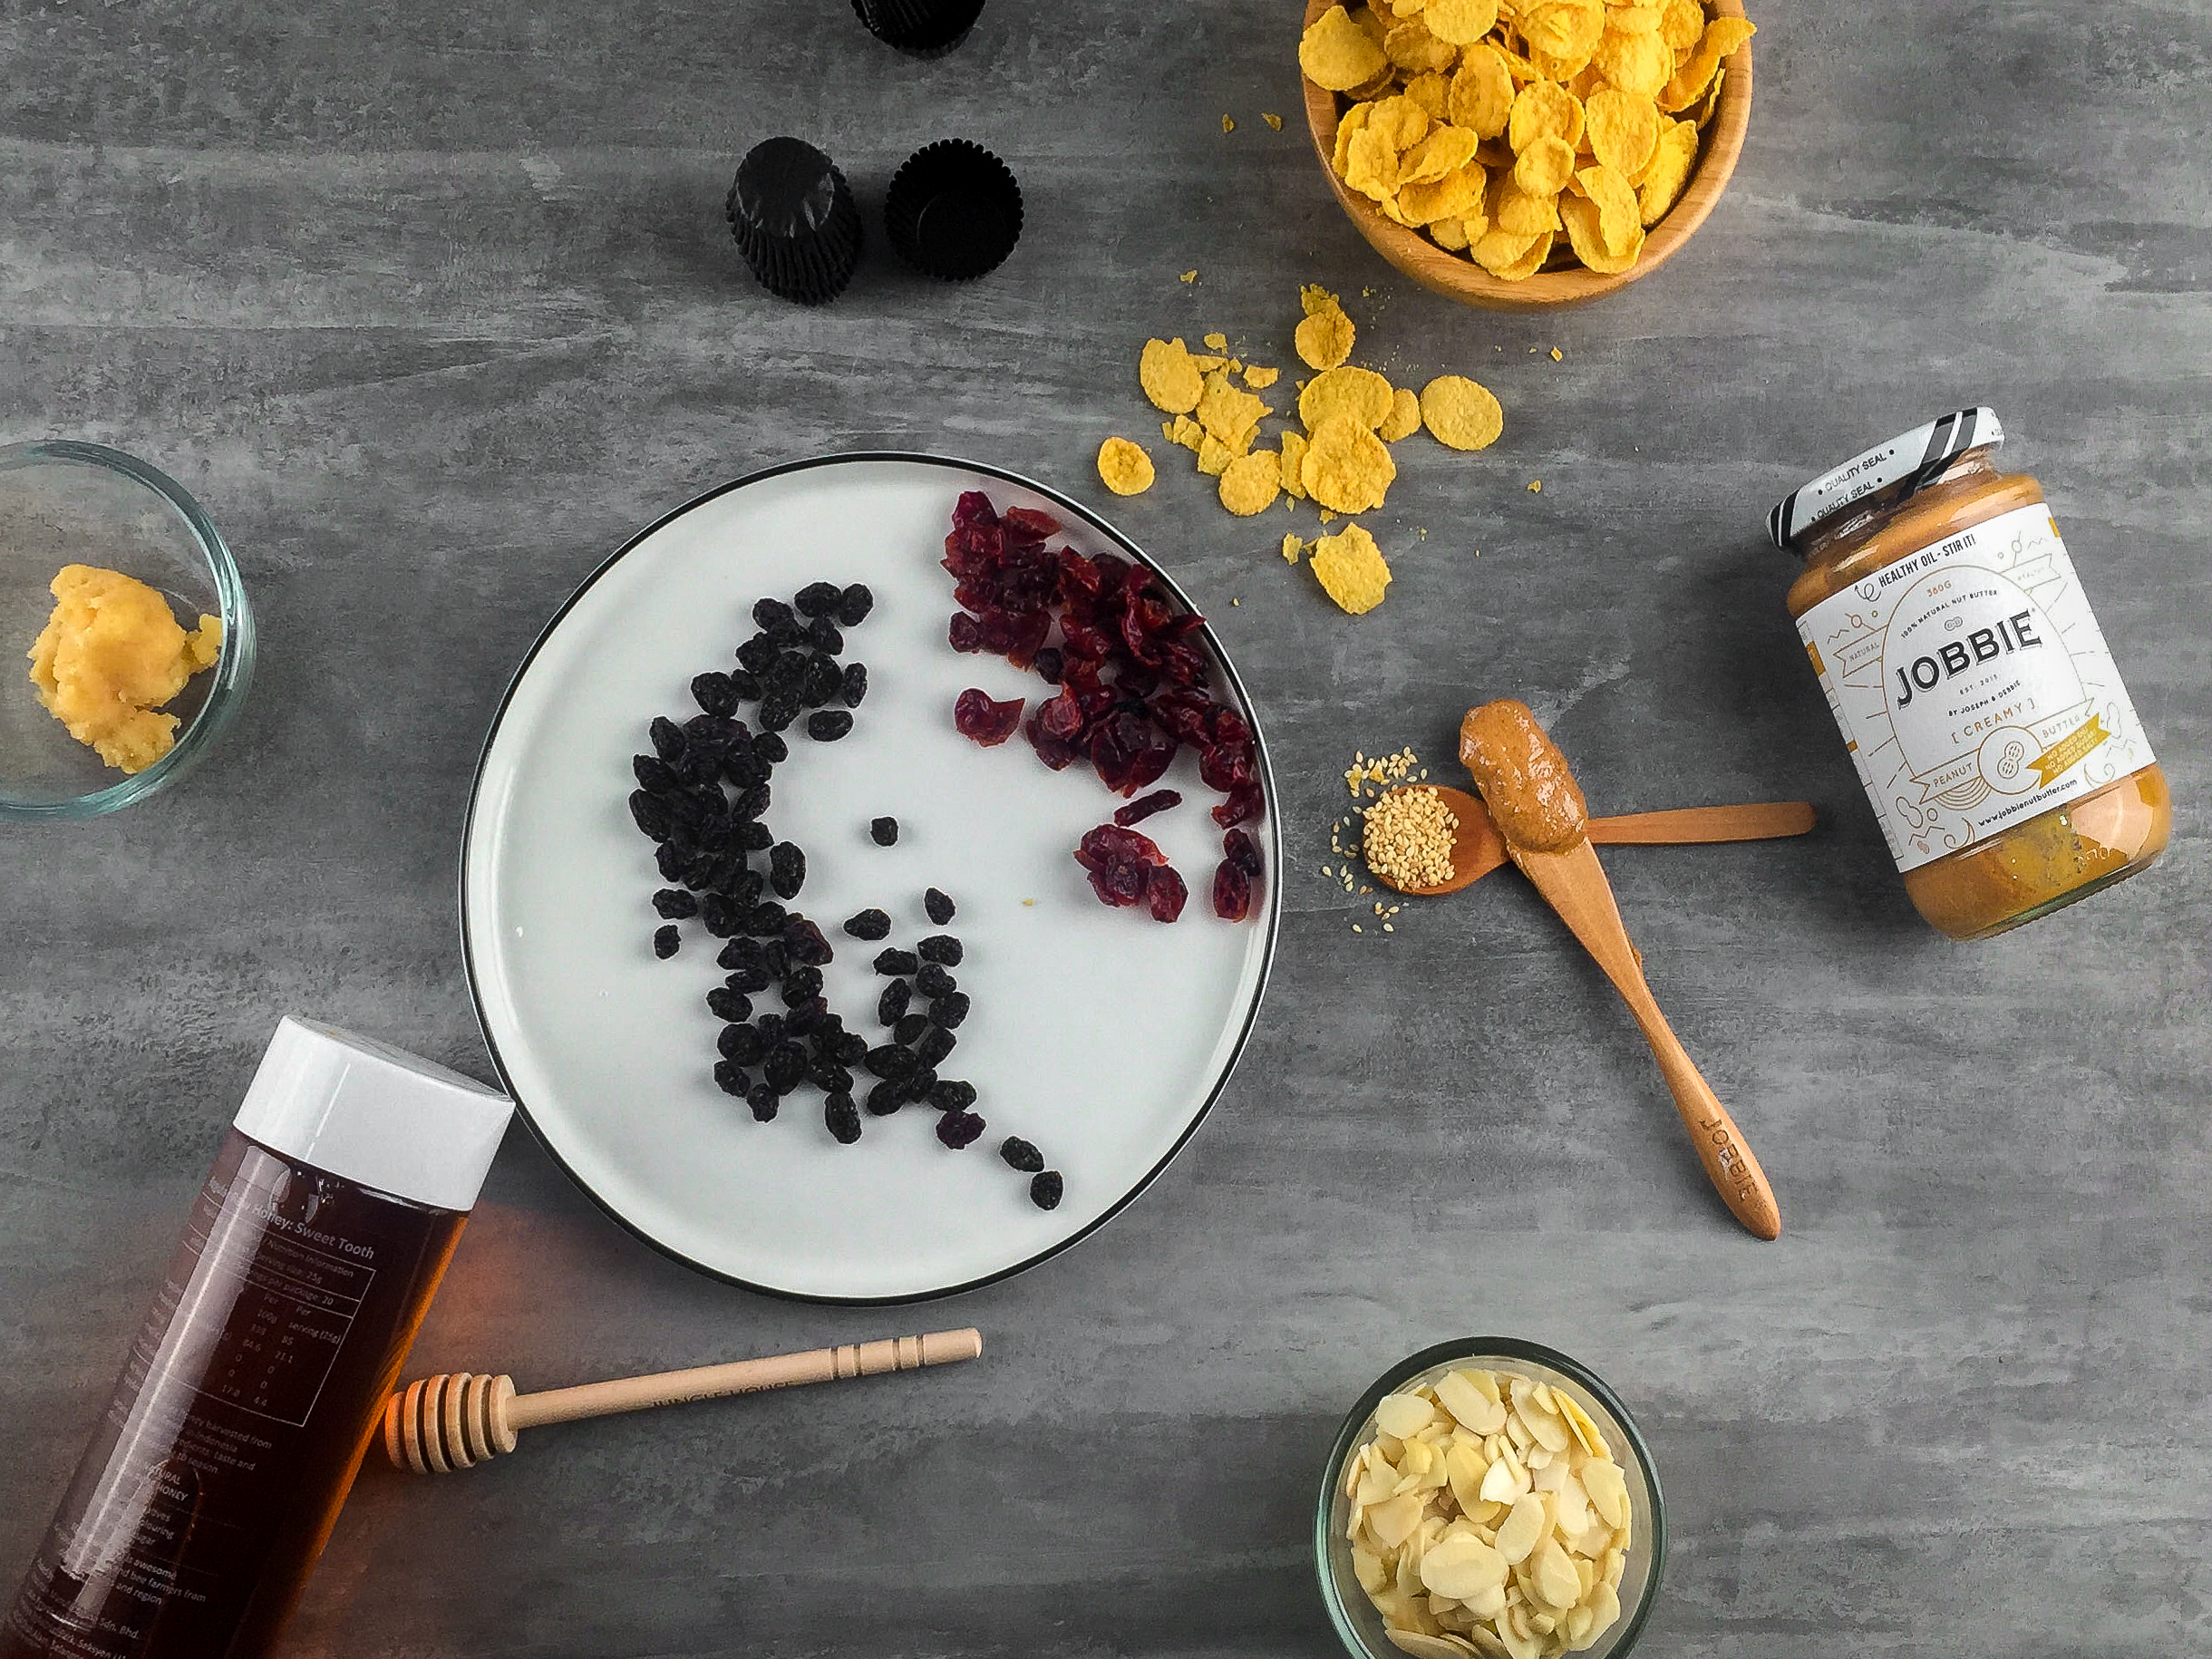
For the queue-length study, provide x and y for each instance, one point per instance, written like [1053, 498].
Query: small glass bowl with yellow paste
[103, 516]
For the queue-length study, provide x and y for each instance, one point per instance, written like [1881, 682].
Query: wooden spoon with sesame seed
[1476, 848]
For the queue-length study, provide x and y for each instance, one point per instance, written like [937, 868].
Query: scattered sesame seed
[1557, 354]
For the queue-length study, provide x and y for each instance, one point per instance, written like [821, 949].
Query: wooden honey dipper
[452, 1422]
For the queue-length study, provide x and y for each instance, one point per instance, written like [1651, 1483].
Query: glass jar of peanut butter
[1971, 682]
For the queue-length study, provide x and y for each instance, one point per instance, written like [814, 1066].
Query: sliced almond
[1403, 1415]
[1521, 1529]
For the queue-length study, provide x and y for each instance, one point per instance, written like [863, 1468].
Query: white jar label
[1973, 686]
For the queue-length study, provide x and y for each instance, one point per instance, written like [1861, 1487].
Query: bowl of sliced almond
[1519, 156]
[1493, 1497]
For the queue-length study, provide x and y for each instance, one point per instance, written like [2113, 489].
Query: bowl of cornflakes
[1490, 1499]
[1522, 156]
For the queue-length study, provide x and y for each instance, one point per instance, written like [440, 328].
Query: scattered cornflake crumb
[1273, 121]
[1215, 342]
[1557, 354]
[1535, 486]
[1029, 902]
[1293, 546]
[1228, 123]
[1258, 378]
[1190, 276]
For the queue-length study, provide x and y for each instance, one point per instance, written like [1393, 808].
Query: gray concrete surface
[431, 306]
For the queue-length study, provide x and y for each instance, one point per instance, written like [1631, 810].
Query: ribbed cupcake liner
[954, 210]
[919, 29]
[794, 220]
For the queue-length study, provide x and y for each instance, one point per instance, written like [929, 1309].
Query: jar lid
[1911, 459]
[375, 1115]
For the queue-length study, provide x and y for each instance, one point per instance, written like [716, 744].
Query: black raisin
[854, 604]
[941, 948]
[751, 803]
[730, 1078]
[948, 1011]
[828, 725]
[770, 1028]
[767, 613]
[651, 814]
[778, 709]
[702, 765]
[747, 770]
[824, 679]
[891, 1062]
[666, 941]
[720, 916]
[1021, 1154]
[746, 684]
[917, 1087]
[788, 672]
[827, 1034]
[1051, 665]
[692, 866]
[855, 687]
[841, 1117]
[752, 980]
[728, 1004]
[828, 1075]
[934, 1045]
[756, 653]
[868, 925]
[785, 1067]
[771, 747]
[823, 635]
[897, 962]
[787, 869]
[934, 982]
[951, 1095]
[816, 599]
[763, 1100]
[785, 635]
[765, 921]
[850, 1049]
[672, 859]
[909, 1026]
[883, 832]
[740, 1045]
[713, 731]
[713, 691]
[806, 1014]
[741, 953]
[804, 944]
[1045, 1189]
[756, 838]
[885, 1099]
[674, 904]
[892, 1004]
[740, 885]
[667, 738]
[958, 1129]
[801, 984]
[775, 958]
[655, 775]
[939, 904]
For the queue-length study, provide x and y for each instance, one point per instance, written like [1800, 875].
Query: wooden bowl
[1456, 276]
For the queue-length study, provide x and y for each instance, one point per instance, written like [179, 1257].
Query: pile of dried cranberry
[1133, 688]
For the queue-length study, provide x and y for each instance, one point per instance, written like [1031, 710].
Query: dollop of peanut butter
[1524, 780]
[107, 659]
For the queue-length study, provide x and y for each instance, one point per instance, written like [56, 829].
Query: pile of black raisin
[703, 795]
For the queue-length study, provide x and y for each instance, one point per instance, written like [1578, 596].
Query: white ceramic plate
[1099, 1034]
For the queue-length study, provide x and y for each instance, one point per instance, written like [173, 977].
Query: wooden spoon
[1477, 848]
[1575, 884]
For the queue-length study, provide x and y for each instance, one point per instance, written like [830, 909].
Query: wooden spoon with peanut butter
[1539, 809]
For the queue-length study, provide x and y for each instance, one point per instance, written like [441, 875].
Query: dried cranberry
[1242, 804]
[1226, 766]
[984, 719]
[1121, 885]
[1130, 752]
[1232, 893]
[1138, 811]
[1048, 665]
[1167, 894]
[964, 634]
[1241, 850]
[1029, 523]
[1110, 844]
[1056, 752]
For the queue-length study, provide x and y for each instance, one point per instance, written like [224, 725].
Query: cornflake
[1351, 569]
[1124, 467]
[1486, 1515]
[1444, 101]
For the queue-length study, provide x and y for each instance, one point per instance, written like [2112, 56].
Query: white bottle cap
[366, 1112]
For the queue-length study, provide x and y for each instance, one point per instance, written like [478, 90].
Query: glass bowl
[1358, 1625]
[64, 503]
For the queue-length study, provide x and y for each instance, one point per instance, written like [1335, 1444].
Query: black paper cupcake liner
[919, 29]
[794, 220]
[954, 210]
